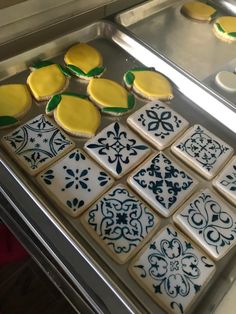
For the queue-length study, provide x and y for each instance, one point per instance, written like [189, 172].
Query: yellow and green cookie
[199, 11]
[225, 28]
[15, 102]
[47, 79]
[148, 83]
[110, 96]
[75, 114]
[84, 61]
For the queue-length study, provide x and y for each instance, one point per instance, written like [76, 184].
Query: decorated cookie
[172, 270]
[110, 96]
[75, 114]
[84, 61]
[225, 28]
[47, 79]
[158, 124]
[162, 183]
[199, 11]
[148, 83]
[120, 222]
[226, 80]
[209, 222]
[202, 151]
[74, 182]
[117, 149]
[15, 102]
[36, 144]
[225, 182]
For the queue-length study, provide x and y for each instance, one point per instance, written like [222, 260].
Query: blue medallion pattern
[121, 221]
[37, 142]
[172, 269]
[210, 220]
[229, 180]
[117, 148]
[163, 180]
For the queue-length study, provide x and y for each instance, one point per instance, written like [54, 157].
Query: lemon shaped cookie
[75, 114]
[225, 28]
[148, 84]
[15, 102]
[47, 79]
[110, 96]
[84, 61]
[198, 11]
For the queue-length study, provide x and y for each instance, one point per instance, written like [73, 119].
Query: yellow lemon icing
[198, 10]
[46, 81]
[15, 100]
[84, 57]
[228, 23]
[77, 116]
[107, 93]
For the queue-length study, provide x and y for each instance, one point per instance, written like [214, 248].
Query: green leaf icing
[7, 120]
[220, 28]
[115, 109]
[75, 70]
[42, 64]
[64, 70]
[75, 95]
[129, 78]
[95, 72]
[53, 103]
[233, 34]
[131, 101]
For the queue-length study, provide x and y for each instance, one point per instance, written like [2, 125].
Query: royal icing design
[199, 11]
[172, 270]
[15, 102]
[225, 28]
[121, 222]
[148, 83]
[110, 96]
[117, 149]
[84, 61]
[210, 222]
[202, 150]
[37, 144]
[162, 183]
[158, 124]
[225, 182]
[75, 114]
[75, 182]
[47, 81]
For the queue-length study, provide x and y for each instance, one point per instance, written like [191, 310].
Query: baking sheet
[127, 53]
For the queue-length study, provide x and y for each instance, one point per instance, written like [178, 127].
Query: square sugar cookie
[37, 143]
[74, 182]
[120, 222]
[158, 123]
[172, 270]
[117, 149]
[225, 182]
[202, 151]
[209, 222]
[162, 183]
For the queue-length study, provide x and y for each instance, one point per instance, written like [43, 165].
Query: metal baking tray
[190, 44]
[120, 52]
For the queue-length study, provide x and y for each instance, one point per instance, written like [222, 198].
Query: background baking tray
[190, 44]
[120, 52]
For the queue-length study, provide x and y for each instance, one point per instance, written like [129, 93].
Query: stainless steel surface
[72, 245]
[190, 44]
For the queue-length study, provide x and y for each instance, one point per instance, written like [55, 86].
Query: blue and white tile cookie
[210, 222]
[162, 183]
[74, 182]
[37, 144]
[203, 151]
[172, 270]
[225, 182]
[120, 222]
[117, 149]
[158, 124]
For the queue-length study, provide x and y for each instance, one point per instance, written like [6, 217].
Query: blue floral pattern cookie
[74, 182]
[37, 144]
[120, 222]
[117, 149]
[162, 183]
[172, 270]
